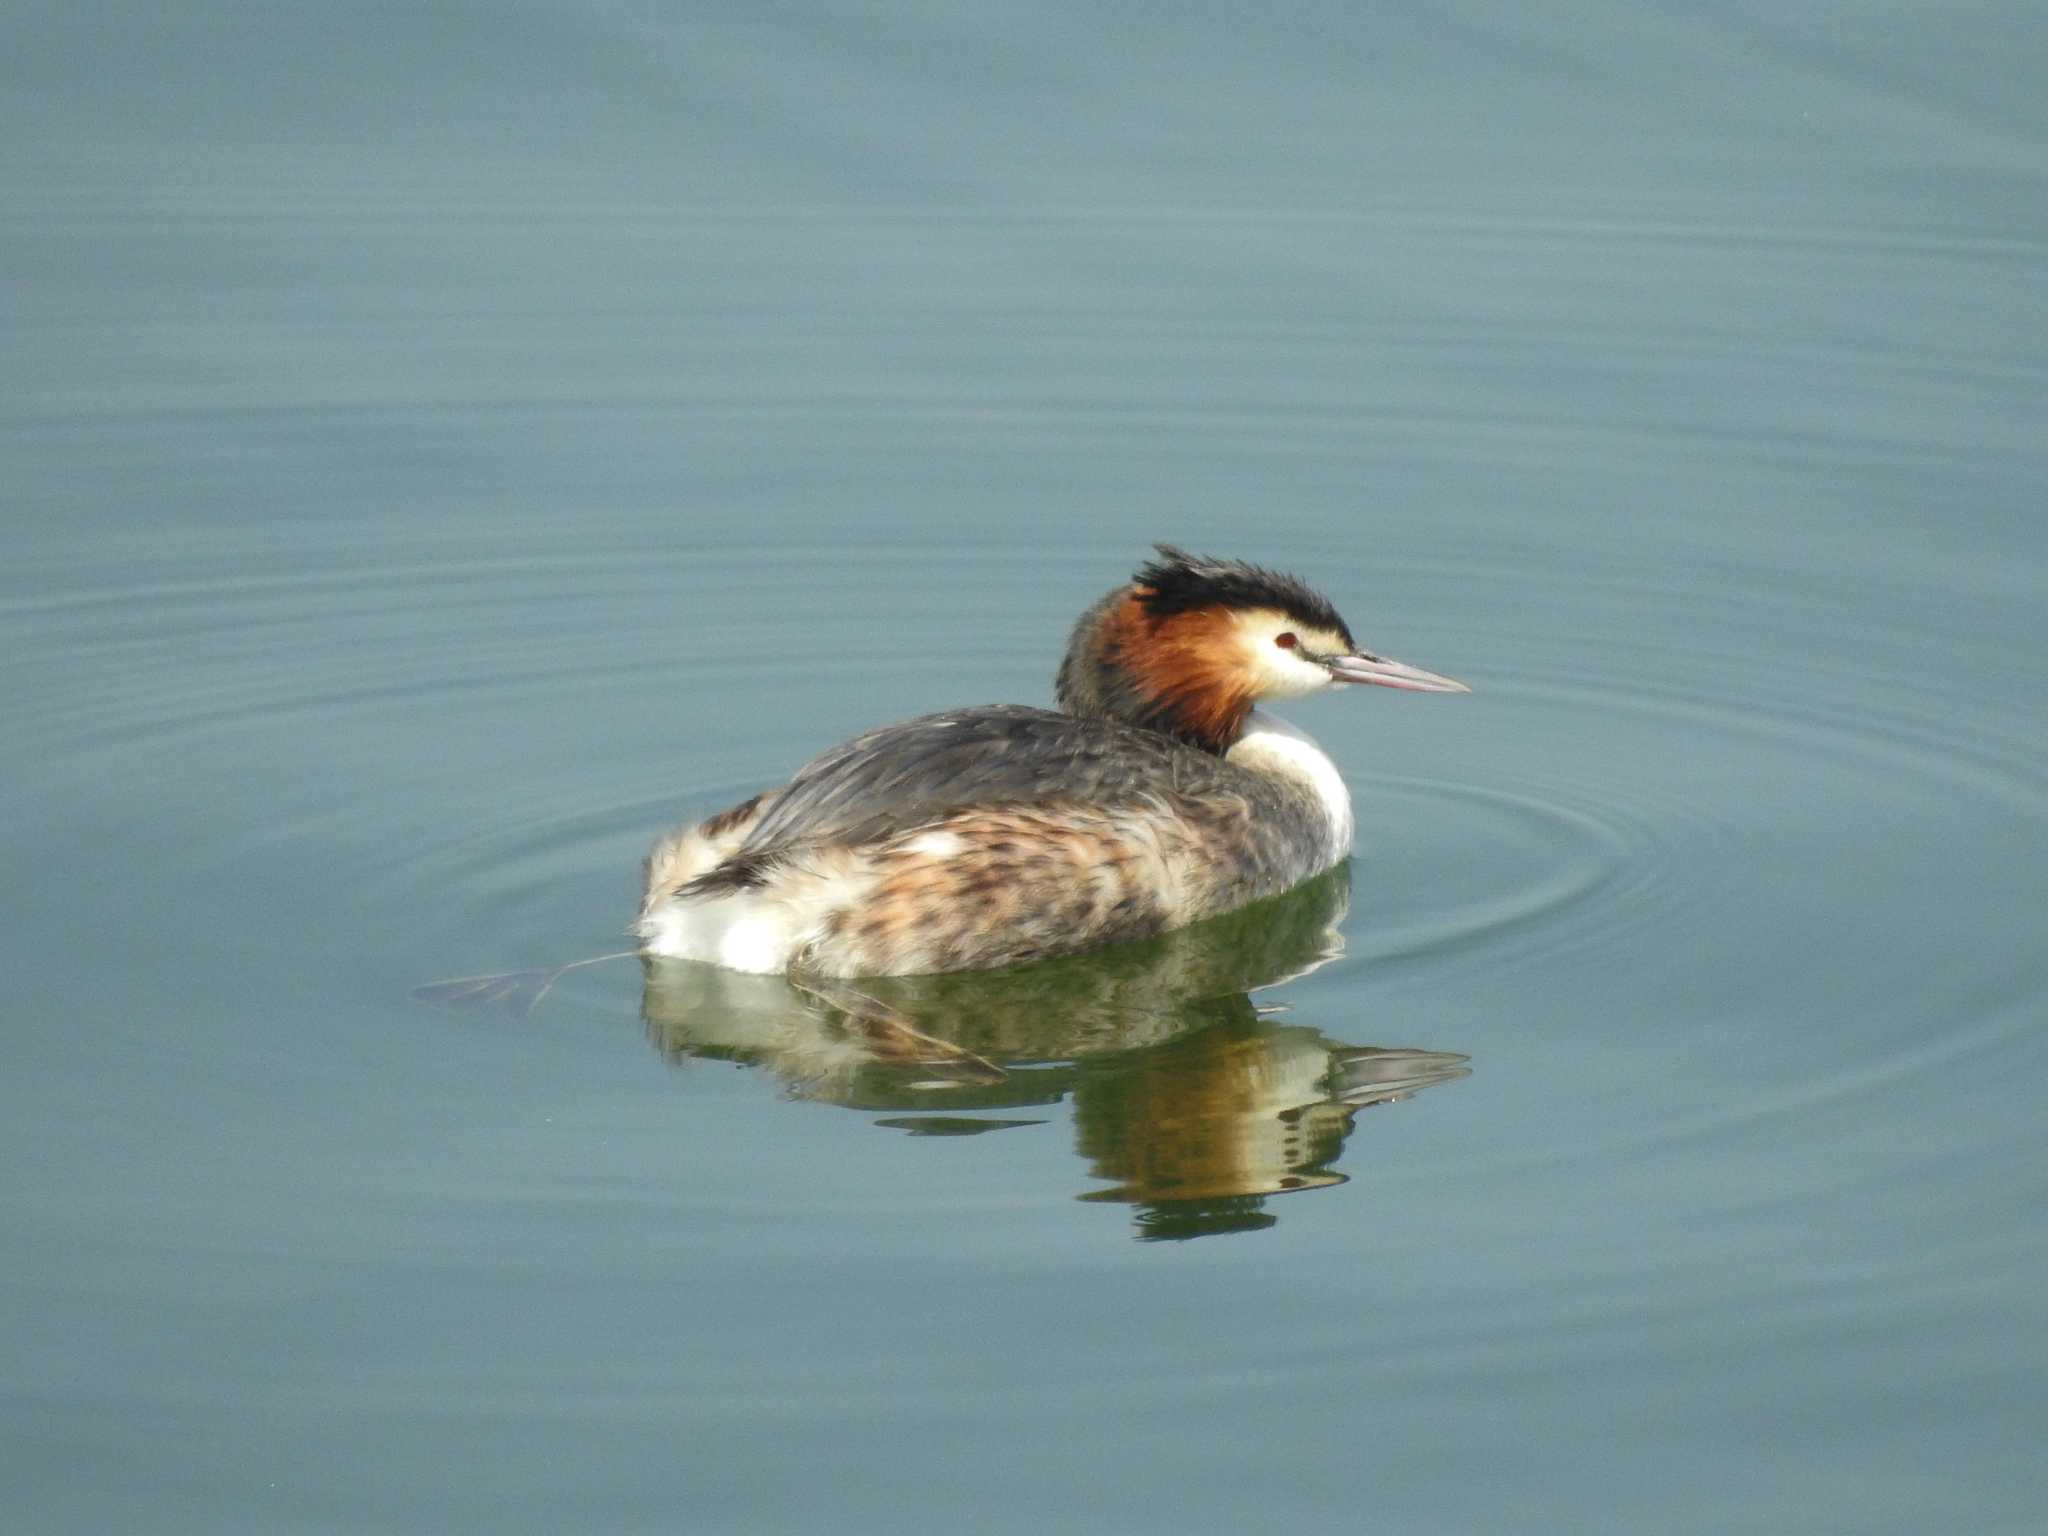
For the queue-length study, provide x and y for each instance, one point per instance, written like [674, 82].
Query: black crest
[1178, 582]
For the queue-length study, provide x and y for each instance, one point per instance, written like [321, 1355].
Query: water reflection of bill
[1188, 1097]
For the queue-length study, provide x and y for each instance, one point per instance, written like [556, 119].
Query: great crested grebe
[1155, 796]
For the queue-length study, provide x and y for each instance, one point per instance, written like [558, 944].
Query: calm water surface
[439, 451]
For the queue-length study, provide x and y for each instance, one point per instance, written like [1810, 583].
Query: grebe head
[1189, 645]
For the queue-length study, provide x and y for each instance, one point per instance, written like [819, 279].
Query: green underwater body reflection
[1189, 1098]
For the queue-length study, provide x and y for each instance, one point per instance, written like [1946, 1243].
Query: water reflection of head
[1199, 1131]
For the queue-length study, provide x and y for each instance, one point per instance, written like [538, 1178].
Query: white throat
[1270, 745]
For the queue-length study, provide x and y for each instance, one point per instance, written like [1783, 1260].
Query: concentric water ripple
[1579, 861]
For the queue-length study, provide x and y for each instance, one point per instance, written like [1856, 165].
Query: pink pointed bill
[1388, 673]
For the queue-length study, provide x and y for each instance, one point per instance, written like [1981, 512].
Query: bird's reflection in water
[1188, 1097]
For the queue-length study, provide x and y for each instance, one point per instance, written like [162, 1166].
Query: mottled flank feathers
[979, 838]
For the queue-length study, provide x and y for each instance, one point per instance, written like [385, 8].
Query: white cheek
[1288, 676]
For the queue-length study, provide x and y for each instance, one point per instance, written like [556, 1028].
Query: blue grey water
[440, 446]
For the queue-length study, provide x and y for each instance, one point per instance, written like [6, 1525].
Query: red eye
[1285, 640]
